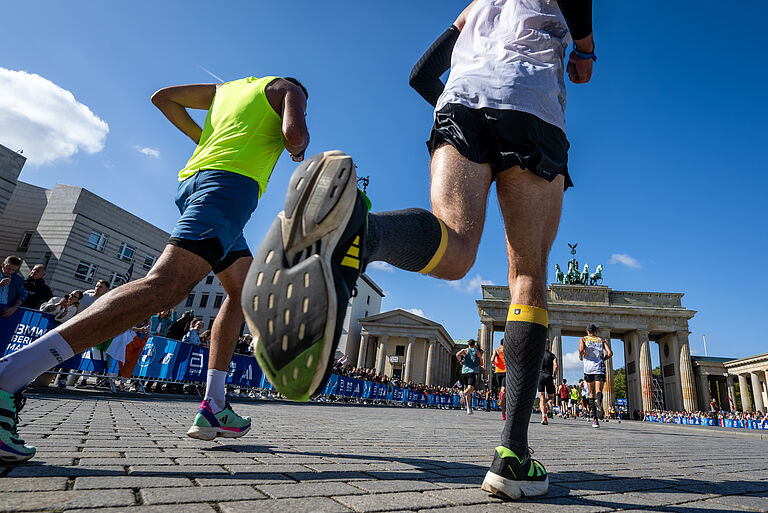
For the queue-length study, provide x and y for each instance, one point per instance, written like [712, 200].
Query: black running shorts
[547, 384]
[591, 378]
[503, 139]
[470, 380]
[500, 378]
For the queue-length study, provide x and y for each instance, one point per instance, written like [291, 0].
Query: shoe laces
[18, 402]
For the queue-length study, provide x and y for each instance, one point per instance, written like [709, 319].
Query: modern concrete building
[82, 238]
[10, 167]
[407, 346]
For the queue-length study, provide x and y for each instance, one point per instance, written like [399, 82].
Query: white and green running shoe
[226, 423]
[513, 476]
[302, 277]
[12, 448]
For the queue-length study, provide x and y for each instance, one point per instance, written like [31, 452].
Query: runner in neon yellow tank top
[249, 123]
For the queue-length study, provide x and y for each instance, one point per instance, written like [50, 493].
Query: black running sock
[524, 339]
[599, 400]
[592, 409]
[412, 239]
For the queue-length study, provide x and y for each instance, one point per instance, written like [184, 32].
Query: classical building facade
[365, 303]
[404, 345]
[636, 318]
[751, 373]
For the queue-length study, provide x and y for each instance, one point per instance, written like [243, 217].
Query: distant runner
[594, 351]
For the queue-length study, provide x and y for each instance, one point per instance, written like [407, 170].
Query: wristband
[581, 55]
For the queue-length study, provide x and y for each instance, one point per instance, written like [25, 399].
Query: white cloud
[416, 311]
[470, 285]
[621, 258]
[572, 366]
[45, 120]
[150, 152]
[381, 266]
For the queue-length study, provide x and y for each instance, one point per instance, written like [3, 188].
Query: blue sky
[666, 141]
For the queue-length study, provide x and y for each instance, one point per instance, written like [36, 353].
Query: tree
[620, 383]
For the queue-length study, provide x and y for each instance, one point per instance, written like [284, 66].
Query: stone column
[431, 361]
[705, 394]
[731, 395]
[486, 344]
[381, 355]
[757, 392]
[722, 392]
[687, 382]
[646, 379]
[609, 395]
[746, 401]
[363, 351]
[409, 359]
[556, 339]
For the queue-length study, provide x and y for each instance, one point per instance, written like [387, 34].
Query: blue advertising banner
[22, 328]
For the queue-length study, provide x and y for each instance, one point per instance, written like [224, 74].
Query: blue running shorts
[214, 206]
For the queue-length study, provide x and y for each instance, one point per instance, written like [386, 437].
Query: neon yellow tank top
[242, 133]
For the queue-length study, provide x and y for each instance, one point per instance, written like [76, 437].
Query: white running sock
[215, 389]
[19, 369]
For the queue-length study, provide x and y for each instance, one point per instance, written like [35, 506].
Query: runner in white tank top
[594, 351]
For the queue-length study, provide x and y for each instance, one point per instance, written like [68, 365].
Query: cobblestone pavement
[125, 453]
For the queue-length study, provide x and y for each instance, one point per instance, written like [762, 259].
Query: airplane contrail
[211, 74]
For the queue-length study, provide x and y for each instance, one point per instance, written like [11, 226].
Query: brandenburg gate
[635, 318]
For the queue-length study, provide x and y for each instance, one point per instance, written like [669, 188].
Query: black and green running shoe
[512, 476]
[297, 289]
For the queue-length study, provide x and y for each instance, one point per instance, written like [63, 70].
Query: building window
[210, 322]
[149, 261]
[190, 299]
[85, 271]
[116, 279]
[217, 300]
[126, 252]
[47, 259]
[399, 350]
[368, 300]
[366, 313]
[24, 242]
[209, 279]
[203, 300]
[97, 240]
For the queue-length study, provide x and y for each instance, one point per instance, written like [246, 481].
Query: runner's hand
[579, 70]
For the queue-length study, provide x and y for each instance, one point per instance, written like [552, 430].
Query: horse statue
[584, 276]
[559, 276]
[597, 276]
[572, 276]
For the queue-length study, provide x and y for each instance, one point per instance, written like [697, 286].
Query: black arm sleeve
[425, 75]
[578, 16]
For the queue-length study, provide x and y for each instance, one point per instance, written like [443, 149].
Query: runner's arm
[426, 73]
[607, 352]
[295, 133]
[578, 17]
[582, 349]
[554, 367]
[461, 354]
[174, 101]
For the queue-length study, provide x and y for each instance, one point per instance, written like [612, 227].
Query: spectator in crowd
[12, 291]
[205, 338]
[244, 345]
[192, 336]
[713, 405]
[90, 296]
[38, 292]
[63, 308]
[159, 323]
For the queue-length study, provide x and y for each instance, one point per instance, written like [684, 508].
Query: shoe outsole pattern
[289, 298]
[500, 486]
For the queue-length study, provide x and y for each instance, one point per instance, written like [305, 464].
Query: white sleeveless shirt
[510, 56]
[593, 359]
